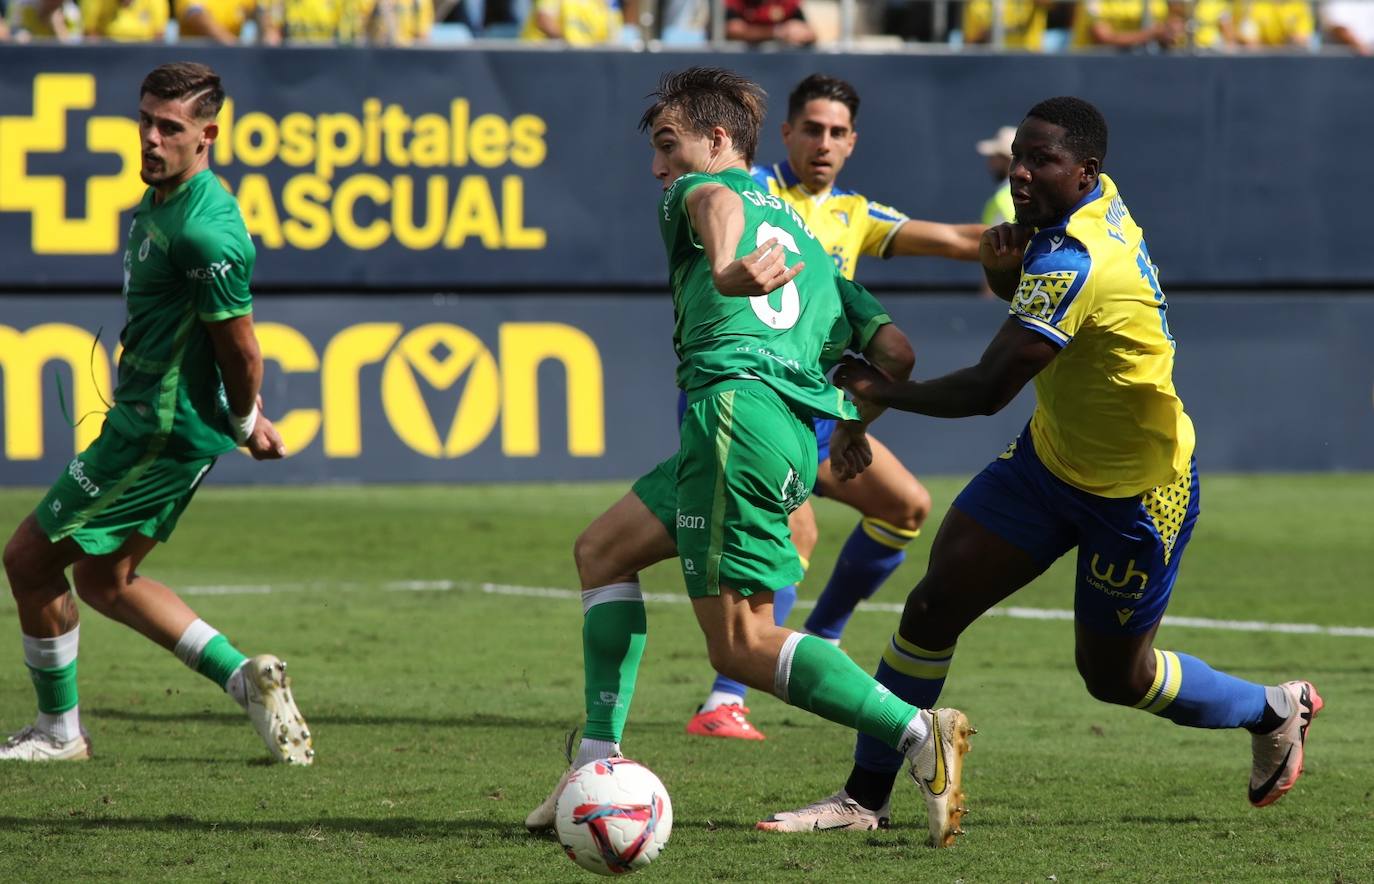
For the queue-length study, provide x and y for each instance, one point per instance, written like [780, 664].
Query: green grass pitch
[439, 709]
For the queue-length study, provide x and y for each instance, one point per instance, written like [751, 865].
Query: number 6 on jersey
[786, 314]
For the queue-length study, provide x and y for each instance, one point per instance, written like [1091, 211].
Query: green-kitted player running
[187, 393]
[758, 309]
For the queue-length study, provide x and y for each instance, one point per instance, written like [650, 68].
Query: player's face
[818, 140]
[1046, 179]
[678, 150]
[174, 144]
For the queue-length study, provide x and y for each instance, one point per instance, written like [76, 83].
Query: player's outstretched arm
[1015, 355]
[240, 367]
[956, 241]
[717, 215]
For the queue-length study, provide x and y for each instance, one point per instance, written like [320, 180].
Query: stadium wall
[520, 170]
[453, 388]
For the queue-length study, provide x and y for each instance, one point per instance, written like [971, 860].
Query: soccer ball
[613, 817]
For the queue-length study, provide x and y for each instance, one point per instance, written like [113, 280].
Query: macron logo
[1056, 242]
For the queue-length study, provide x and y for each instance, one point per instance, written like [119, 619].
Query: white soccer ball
[614, 816]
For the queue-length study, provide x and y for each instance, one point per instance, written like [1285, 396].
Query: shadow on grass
[391, 827]
[538, 724]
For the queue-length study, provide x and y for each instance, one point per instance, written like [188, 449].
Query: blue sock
[913, 674]
[873, 551]
[1189, 692]
[783, 600]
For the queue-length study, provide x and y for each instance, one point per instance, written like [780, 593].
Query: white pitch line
[548, 592]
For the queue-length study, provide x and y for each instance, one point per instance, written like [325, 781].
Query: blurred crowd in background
[1201, 26]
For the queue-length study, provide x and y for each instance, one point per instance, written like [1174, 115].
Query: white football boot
[937, 766]
[31, 744]
[541, 819]
[262, 688]
[834, 812]
[1278, 755]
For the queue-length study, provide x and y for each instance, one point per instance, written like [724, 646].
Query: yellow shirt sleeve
[880, 226]
[1051, 297]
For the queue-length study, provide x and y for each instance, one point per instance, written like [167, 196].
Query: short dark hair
[1085, 130]
[823, 86]
[186, 79]
[711, 97]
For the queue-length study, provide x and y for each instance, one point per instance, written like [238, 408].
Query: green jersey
[188, 262]
[862, 318]
[778, 338]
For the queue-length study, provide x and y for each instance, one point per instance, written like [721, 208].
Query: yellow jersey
[413, 20]
[320, 21]
[135, 21]
[24, 19]
[1107, 418]
[1023, 21]
[584, 22]
[1274, 22]
[230, 14]
[846, 223]
[1122, 15]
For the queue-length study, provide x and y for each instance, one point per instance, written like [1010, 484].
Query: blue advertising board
[513, 170]
[467, 389]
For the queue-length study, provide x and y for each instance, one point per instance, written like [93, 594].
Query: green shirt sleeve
[216, 260]
[862, 311]
[673, 221]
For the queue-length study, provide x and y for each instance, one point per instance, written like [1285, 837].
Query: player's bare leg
[112, 585]
[810, 673]
[894, 506]
[724, 713]
[971, 569]
[1131, 671]
[609, 555]
[49, 621]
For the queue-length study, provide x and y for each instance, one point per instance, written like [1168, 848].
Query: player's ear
[1091, 167]
[720, 139]
[208, 135]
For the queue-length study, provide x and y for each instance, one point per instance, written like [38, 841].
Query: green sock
[821, 678]
[56, 688]
[613, 635]
[219, 660]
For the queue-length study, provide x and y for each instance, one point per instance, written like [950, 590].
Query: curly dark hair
[1085, 130]
[709, 97]
[823, 86]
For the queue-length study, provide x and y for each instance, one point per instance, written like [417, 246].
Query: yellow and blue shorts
[1129, 548]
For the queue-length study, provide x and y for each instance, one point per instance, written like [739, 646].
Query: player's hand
[1002, 246]
[264, 443]
[861, 380]
[757, 273]
[850, 453]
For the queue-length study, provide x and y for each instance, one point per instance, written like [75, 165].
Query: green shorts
[746, 461]
[118, 486]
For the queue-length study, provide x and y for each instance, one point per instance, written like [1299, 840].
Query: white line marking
[547, 592]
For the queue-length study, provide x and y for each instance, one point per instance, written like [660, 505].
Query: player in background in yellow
[125, 21]
[819, 136]
[1023, 23]
[575, 22]
[222, 20]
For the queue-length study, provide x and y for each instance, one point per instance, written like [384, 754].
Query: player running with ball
[751, 365]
